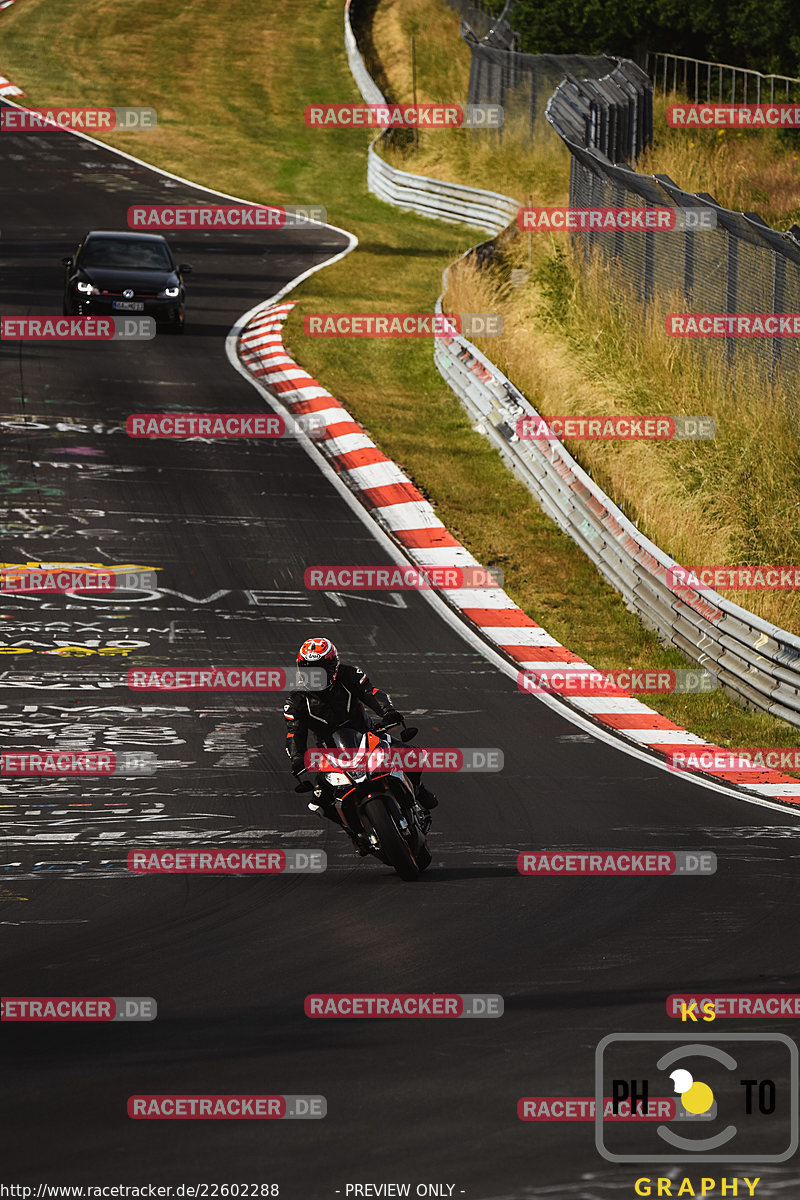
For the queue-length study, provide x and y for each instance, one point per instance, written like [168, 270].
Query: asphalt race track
[231, 527]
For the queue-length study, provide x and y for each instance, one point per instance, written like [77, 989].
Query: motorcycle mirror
[305, 786]
[408, 733]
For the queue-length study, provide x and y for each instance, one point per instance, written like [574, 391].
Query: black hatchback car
[125, 272]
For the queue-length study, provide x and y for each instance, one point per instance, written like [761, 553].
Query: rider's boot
[359, 840]
[360, 843]
[425, 797]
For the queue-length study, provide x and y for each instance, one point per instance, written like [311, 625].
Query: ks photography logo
[736, 1097]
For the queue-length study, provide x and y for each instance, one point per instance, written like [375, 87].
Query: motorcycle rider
[341, 702]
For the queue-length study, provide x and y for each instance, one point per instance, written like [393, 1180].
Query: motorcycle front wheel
[394, 847]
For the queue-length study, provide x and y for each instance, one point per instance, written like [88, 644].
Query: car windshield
[125, 252]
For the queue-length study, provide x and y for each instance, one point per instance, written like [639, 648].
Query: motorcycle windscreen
[359, 748]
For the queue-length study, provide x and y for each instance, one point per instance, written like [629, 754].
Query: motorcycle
[375, 803]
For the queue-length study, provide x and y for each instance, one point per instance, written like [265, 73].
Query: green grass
[230, 80]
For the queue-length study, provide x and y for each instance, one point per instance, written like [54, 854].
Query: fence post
[649, 266]
[731, 288]
[778, 302]
[688, 267]
[532, 84]
[619, 234]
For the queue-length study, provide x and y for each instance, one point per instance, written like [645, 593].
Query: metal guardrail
[451, 202]
[720, 82]
[369, 89]
[752, 659]
[612, 115]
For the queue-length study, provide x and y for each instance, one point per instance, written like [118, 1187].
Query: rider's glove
[393, 717]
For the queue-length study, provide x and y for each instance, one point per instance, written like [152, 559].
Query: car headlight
[88, 288]
[171, 292]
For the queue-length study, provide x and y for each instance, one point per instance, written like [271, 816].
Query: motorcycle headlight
[171, 293]
[88, 289]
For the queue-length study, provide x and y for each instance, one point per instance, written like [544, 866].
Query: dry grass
[442, 74]
[511, 164]
[233, 120]
[748, 172]
[570, 345]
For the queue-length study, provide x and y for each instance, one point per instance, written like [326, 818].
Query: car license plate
[129, 305]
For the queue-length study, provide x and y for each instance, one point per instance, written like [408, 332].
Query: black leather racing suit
[321, 713]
